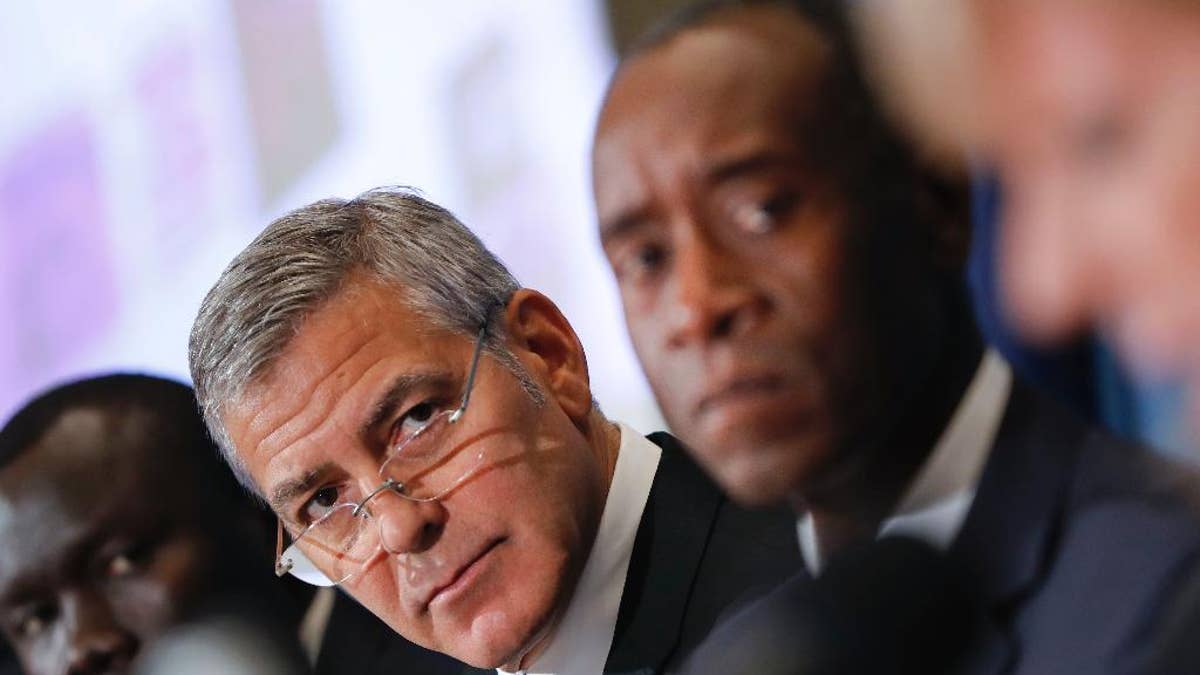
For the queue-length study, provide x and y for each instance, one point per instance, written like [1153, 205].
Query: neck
[604, 437]
[851, 507]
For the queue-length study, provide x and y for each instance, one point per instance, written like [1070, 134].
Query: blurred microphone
[893, 606]
[228, 644]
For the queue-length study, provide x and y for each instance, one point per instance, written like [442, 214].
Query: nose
[97, 643]
[1045, 261]
[714, 296]
[406, 526]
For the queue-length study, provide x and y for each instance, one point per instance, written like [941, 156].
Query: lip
[742, 388]
[462, 578]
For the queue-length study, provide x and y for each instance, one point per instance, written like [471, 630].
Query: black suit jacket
[357, 642]
[8, 661]
[1074, 547]
[696, 557]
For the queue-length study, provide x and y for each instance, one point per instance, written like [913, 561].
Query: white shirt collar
[584, 635]
[936, 503]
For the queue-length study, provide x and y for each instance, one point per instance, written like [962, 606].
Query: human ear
[542, 335]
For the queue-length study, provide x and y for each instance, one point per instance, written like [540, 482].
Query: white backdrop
[142, 144]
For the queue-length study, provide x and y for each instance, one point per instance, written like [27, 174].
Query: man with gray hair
[424, 428]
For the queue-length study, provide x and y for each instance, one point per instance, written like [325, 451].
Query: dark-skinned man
[791, 278]
[124, 535]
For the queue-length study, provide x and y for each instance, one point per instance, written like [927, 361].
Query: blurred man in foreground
[119, 524]
[425, 431]
[1090, 109]
[792, 279]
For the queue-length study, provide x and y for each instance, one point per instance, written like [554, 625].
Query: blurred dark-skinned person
[1089, 110]
[118, 526]
[791, 274]
[123, 529]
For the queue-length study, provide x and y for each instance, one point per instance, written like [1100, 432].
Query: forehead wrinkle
[753, 152]
[349, 425]
[287, 426]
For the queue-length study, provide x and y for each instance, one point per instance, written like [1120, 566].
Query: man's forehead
[81, 440]
[720, 78]
[91, 459]
[752, 49]
[333, 349]
[62, 490]
[719, 93]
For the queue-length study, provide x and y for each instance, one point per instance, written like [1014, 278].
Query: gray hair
[300, 261]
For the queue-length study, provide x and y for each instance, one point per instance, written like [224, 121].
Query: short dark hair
[827, 16]
[165, 400]
[893, 181]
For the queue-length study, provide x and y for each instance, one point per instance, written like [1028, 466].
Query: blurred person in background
[119, 524]
[1089, 111]
[425, 430]
[123, 529]
[792, 278]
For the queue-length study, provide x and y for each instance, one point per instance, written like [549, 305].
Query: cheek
[804, 271]
[545, 507]
[550, 505]
[647, 322]
[167, 591]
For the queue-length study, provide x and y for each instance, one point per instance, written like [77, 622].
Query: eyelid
[436, 405]
[25, 613]
[298, 516]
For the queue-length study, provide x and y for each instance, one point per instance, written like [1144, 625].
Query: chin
[755, 477]
[500, 633]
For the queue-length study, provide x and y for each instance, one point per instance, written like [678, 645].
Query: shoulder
[1126, 541]
[1108, 488]
[1132, 497]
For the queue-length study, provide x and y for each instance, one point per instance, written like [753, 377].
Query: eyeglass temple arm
[471, 375]
[282, 566]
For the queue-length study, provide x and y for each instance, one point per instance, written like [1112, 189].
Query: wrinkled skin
[483, 573]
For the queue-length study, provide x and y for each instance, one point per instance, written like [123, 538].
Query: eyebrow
[293, 487]
[629, 219]
[634, 217]
[741, 166]
[400, 388]
[380, 411]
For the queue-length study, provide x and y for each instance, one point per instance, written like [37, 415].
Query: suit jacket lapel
[670, 544]
[1013, 523]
